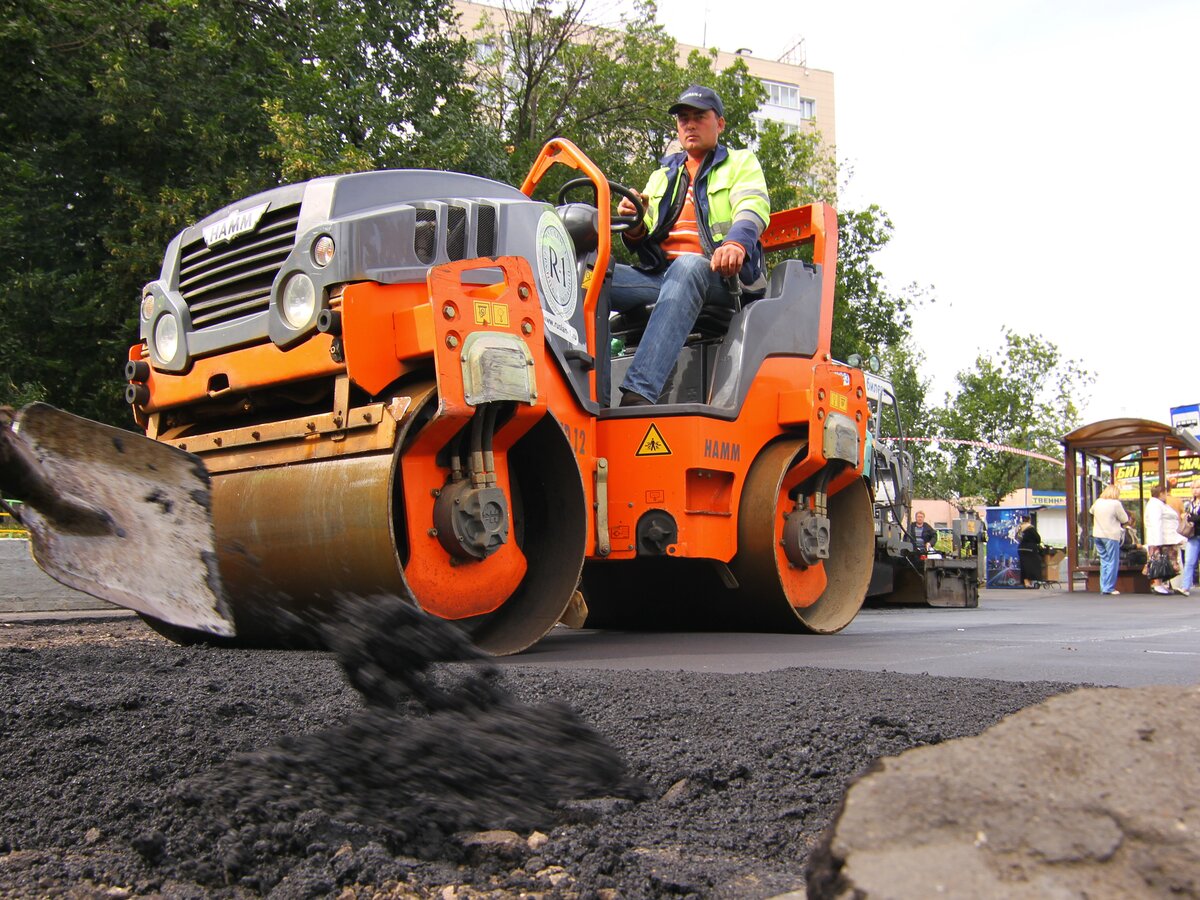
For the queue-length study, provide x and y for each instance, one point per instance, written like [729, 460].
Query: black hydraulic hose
[491, 411]
[478, 475]
[456, 464]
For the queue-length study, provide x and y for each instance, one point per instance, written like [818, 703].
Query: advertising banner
[1132, 474]
[1003, 561]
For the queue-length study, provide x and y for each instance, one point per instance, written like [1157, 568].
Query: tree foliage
[1025, 396]
[124, 121]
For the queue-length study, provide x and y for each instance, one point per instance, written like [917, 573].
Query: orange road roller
[403, 381]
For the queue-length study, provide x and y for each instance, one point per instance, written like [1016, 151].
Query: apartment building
[799, 97]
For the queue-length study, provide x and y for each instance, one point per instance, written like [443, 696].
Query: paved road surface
[1014, 635]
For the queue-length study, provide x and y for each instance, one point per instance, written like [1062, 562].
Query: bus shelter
[1093, 453]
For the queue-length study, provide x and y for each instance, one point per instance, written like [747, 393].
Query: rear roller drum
[776, 592]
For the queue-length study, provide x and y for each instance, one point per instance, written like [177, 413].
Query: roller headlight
[166, 337]
[322, 250]
[299, 300]
[147, 307]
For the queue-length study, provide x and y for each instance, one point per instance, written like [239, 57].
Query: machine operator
[705, 211]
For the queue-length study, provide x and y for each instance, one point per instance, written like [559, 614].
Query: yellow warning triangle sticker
[653, 444]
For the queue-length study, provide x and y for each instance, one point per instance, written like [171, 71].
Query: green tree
[546, 70]
[1025, 396]
[124, 121]
[867, 316]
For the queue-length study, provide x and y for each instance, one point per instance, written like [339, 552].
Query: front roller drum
[293, 538]
[550, 526]
[776, 594]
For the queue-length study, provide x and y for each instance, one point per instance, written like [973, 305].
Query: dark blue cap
[699, 97]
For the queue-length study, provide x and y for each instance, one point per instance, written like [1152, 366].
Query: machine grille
[485, 238]
[425, 240]
[456, 233]
[233, 280]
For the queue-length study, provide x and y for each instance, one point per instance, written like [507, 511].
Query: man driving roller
[705, 211]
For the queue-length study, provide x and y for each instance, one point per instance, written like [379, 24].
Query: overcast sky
[1040, 161]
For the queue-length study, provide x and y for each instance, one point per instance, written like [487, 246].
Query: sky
[1040, 162]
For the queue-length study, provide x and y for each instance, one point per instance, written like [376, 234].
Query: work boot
[633, 398]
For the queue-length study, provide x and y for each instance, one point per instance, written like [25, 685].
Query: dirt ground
[133, 766]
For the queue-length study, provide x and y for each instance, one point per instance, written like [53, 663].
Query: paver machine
[401, 381]
[903, 574]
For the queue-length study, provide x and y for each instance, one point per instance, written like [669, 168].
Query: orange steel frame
[391, 331]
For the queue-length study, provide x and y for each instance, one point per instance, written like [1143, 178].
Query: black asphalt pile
[132, 766]
[436, 753]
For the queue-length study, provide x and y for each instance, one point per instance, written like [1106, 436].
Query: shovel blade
[149, 546]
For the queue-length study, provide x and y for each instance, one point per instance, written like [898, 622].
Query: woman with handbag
[1189, 527]
[1162, 540]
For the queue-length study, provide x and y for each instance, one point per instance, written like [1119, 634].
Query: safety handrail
[563, 152]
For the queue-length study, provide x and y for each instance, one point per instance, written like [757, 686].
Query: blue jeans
[1190, 552]
[681, 290]
[1110, 561]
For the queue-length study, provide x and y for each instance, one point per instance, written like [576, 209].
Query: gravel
[133, 766]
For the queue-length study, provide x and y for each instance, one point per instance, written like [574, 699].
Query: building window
[789, 128]
[788, 97]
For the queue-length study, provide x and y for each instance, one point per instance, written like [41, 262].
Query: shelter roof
[1117, 438]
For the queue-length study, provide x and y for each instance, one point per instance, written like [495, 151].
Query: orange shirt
[685, 233]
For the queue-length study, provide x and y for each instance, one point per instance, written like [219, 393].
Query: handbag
[1160, 569]
[1187, 528]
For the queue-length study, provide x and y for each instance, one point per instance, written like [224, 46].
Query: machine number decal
[556, 266]
[577, 438]
[838, 401]
[491, 313]
[653, 443]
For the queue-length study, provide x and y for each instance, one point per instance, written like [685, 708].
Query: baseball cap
[699, 97]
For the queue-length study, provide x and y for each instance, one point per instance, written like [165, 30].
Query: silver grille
[231, 281]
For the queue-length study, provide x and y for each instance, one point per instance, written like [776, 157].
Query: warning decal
[653, 444]
[491, 313]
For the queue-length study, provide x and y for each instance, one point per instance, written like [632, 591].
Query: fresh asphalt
[1014, 635]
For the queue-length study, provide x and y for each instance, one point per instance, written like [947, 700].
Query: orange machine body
[399, 398]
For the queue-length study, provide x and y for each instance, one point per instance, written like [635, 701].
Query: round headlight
[299, 300]
[147, 307]
[166, 337]
[322, 250]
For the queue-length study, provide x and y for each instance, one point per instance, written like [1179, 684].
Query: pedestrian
[1108, 517]
[1177, 503]
[1162, 537]
[1191, 550]
[705, 211]
[1029, 551]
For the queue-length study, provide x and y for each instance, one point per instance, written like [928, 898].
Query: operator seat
[713, 321]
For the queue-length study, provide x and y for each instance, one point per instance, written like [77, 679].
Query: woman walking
[1191, 550]
[1108, 515]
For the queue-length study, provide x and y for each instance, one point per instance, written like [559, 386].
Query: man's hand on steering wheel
[631, 211]
[626, 209]
[727, 259]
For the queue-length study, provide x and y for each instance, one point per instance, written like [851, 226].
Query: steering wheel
[618, 224]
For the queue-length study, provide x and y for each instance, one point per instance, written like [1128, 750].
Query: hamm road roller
[402, 381]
